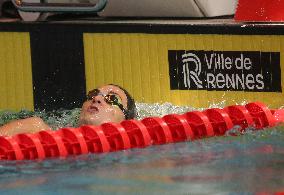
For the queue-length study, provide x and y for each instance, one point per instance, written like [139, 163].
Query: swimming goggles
[111, 99]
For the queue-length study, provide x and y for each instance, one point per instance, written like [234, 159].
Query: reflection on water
[249, 164]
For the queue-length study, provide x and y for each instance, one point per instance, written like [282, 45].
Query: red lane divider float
[30, 146]
[10, 149]
[200, 124]
[73, 140]
[95, 139]
[52, 144]
[116, 136]
[240, 116]
[137, 133]
[158, 130]
[110, 137]
[179, 127]
[261, 115]
[220, 120]
[278, 115]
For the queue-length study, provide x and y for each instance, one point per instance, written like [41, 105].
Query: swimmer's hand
[28, 125]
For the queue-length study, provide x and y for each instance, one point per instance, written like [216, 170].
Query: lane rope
[111, 137]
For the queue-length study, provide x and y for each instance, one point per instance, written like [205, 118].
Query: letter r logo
[191, 70]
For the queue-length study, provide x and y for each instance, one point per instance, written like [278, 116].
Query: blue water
[252, 163]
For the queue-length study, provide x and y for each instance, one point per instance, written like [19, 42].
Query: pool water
[252, 163]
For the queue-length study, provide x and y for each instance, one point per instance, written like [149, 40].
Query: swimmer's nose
[98, 99]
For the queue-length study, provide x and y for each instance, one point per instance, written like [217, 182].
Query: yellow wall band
[139, 62]
[16, 86]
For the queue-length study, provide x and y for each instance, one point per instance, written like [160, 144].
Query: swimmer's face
[105, 104]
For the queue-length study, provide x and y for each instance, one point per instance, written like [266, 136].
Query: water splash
[159, 110]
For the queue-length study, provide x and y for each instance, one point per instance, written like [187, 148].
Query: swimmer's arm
[28, 125]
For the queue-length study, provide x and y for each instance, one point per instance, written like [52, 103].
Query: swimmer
[109, 103]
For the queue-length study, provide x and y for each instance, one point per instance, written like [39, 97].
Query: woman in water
[109, 103]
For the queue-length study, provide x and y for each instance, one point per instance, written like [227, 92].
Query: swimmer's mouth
[93, 109]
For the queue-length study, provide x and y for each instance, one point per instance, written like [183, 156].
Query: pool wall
[51, 65]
